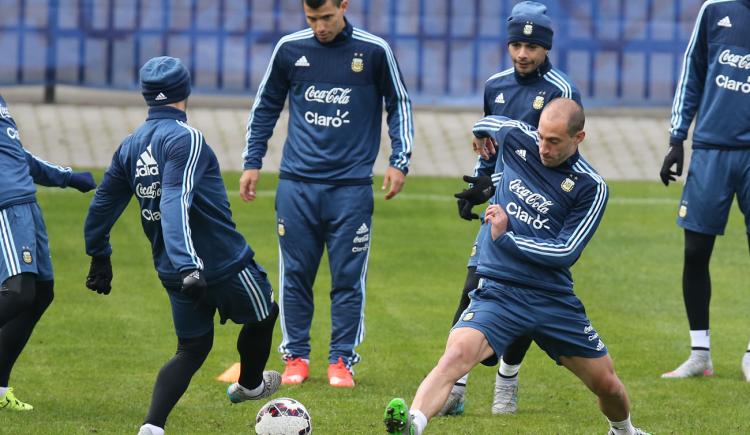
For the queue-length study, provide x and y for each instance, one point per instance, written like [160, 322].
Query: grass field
[91, 364]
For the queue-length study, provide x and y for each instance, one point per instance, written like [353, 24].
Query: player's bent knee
[196, 348]
[608, 386]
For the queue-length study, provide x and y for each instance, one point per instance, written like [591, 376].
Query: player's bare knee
[455, 359]
[608, 385]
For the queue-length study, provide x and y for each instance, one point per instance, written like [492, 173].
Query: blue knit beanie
[528, 22]
[164, 80]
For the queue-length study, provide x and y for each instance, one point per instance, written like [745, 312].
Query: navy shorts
[556, 321]
[246, 297]
[713, 179]
[24, 243]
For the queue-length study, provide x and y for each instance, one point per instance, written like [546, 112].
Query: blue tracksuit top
[20, 168]
[522, 98]
[184, 209]
[552, 212]
[714, 84]
[336, 92]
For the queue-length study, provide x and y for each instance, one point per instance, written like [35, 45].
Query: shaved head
[568, 110]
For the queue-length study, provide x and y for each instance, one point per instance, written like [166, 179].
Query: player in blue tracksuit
[519, 93]
[546, 209]
[25, 263]
[203, 262]
[714, 88]
[336, 77]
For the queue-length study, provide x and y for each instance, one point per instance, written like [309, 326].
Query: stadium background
[623, 55]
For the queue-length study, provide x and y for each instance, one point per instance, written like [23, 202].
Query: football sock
[624, 427]
[254, 346]
[700, 340]
[175, 376]
[419, 421]
[508, 371]
[3, 390]
[696, 279]
[460, 385]
[156, 430]
[16, 332]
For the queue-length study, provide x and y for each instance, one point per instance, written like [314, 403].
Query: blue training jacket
[522, 98]
[715, 78]
[552, 212]
[184, 208]
[20, 168]
[336, 92]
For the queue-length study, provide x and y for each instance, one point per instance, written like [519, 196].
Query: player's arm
[184, 165]
[400, 122]
[564, 249]
[268, 103]
[45, 173]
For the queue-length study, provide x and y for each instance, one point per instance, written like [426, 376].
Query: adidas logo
[146, 164]
[500, 99]
[725, 22]
[160, 97]
[302, 61]
[362, 229]
[522, 153]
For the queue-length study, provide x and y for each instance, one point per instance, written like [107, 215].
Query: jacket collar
[536, 75]
[166, 112]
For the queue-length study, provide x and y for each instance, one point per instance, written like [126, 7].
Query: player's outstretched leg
[397, 419]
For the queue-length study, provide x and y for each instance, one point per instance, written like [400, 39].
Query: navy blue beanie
[528, 22]
[164, 80]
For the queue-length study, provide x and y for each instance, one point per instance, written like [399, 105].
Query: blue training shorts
[246, 297]
[713, 179]
[556, 321]
[24, 243]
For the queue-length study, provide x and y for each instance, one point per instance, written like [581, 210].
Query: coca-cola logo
[736, 60]
[153, 191]
[330, 96]
[4, 112]
[537, 201]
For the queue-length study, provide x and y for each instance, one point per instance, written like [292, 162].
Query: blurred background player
[203, 262]
[520, 93]
[25, 265]
[336, 77]
[714, 85]
[526, 287]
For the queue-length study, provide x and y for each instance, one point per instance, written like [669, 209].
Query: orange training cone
[230, 375]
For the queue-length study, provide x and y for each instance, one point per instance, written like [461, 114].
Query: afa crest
[683, 211]
[26, 256]
[358, 64]
[281, 229]
[567, 185]
[468, 316]
[528, 29]
[538, 102]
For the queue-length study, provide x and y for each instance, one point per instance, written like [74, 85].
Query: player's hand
[248, 184]
[481, 190]
[194, 284]
[394, 179]
[485, 146]
[464, 209]
[498, 219]
[675, 156]
[82, 181]
[100, 275]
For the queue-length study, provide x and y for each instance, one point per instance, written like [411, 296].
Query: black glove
[82, 181]
[480, 192]
[193, 284]
[100, 275]
[675, 155]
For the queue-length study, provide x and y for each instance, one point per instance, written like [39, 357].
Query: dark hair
[315, 4]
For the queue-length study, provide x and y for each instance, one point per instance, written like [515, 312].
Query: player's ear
[579, 137]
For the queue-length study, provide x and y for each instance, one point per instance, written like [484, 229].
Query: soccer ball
[283, 416]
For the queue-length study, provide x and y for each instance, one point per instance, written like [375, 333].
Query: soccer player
[336, 77]
[518, 93]
[715, 85]
[203, 262]
[25, 264]
[546, 209]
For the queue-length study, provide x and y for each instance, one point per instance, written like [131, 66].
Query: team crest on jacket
[468, 316]
[358, 64]
[683, 211]
[281, 229]
[567, 184]
[26, 255]
[538, 102]
[528, 29]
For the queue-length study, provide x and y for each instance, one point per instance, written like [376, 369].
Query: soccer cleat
[746, 366]
[339, 375]
[10, 402]
[636, 431]
[296, 371]
[146, 429]
[454, 405]
[694, 366]
[506, 397]
[271, 381]
[397, 419]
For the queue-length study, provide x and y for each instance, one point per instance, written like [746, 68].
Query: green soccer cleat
[10, 402]
[397, 419]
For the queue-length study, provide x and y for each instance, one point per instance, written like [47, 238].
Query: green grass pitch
[89, 368]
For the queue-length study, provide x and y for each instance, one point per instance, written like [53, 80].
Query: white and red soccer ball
[283, 416]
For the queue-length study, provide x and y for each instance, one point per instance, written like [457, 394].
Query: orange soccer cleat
[339, 375]
[297, 371]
